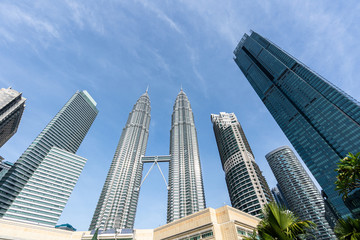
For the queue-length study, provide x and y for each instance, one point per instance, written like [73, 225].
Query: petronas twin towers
[117, 204]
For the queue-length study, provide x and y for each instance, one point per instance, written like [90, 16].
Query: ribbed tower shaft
[186, 191]
[116, 207]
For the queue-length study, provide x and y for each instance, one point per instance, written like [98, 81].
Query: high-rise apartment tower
[321, 121]
[186, 191]
[38, 185]
[247, 187]
[12, 106]
[298, 189]
[117, 204]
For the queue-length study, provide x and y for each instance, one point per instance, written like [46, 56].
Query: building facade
[279, 196]
[30, 191]
[186, 190]
[117, 204]
[4, 167]
[12, 106]
[224, 223]
[331, 215]
[300, 192]
[44, 196]
[321, 121]
[247, 187]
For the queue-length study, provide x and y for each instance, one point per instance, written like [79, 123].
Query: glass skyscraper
[299, 191]
[46, 193]
[186, 190]
[37, 186]
[321, 121]
[117, 204]
[247, 187]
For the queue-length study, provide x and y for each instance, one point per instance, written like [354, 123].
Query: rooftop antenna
[147, 89]
[181, 87]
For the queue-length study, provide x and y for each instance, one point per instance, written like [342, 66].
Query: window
[207, 234]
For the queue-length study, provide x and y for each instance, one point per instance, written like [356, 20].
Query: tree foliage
[348, 229]
[348, 178]
[282, 224]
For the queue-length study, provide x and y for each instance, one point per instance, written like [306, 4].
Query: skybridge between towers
[155, 161]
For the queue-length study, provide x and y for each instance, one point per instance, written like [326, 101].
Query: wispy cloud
[161, 15]
[220, 17]
[14, 17]
[6, 36]
[194, 58]
[84, 16]
[160, 61]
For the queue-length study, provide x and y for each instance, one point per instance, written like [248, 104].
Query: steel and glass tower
[186, 191]
[299, 191]
[37, 186]
[321, 121]
[247, 187]
[117, 204]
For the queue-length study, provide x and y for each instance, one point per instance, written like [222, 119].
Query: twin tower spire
[117, 205]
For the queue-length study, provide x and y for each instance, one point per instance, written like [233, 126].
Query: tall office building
[37, 186]
[186, 191]
[302, 196]
[44, 196]
[12, 106]
[247, 187]
[321, 121]
[117, 204]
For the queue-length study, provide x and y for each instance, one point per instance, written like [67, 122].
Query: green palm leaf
[282, 224]
[348, 229]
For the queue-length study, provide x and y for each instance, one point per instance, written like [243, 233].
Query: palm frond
[281, 224]
[348, 228]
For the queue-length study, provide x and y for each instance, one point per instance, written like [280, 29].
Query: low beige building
[12, 230]
[225, 223]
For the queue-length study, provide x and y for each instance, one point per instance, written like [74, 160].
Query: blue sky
[114, 49]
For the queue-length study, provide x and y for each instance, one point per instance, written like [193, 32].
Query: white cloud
[194, 64]
[6, 36]
[161, 61]
[161, 15]
[14, 16]
[221, 17]
[85, 16]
